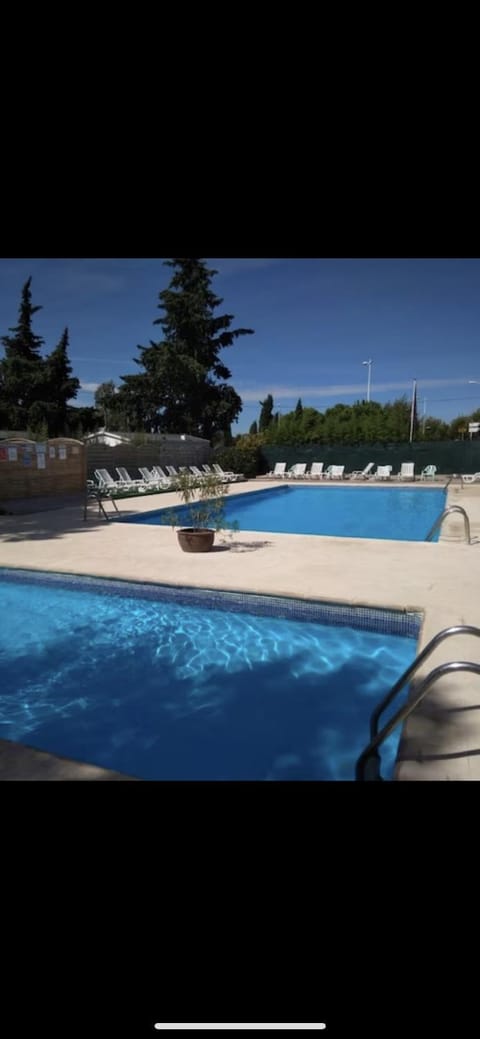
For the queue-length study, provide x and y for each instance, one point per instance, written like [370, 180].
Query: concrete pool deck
[442, 739]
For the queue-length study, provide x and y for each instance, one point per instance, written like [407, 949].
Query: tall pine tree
[60, 386]
[183, 387]
[34, 390]
[22, 367]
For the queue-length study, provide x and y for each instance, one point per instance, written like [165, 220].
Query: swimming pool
[168, 683]
[394, 513]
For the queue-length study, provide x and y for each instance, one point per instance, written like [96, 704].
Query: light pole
[369, 365]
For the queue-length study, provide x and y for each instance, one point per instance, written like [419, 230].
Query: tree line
[358, 423]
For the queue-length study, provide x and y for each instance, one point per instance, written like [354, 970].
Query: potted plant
[205, 499]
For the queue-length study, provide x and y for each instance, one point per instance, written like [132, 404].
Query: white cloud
[345, 389]
[89, 387]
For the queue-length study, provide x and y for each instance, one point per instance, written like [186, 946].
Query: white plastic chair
[225, 476]
[165, 481]
[152, 481]
[106, 482]
[362, 474]
[296, 470]
[126, 479]
[198, 472]
[335, 472]
[316, 471]
[279, 469]
[428, 473]
[383, 472]
[470, 477]
[406, 471]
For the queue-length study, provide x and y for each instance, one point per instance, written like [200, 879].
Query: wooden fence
[29, 469]
[168, 452]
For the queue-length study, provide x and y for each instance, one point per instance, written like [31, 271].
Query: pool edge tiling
[406, 623]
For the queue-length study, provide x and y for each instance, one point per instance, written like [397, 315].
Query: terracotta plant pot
[192, 539]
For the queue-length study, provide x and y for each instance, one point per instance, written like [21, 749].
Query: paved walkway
[442, 739]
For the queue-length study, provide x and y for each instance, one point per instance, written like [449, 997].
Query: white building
[109, 439]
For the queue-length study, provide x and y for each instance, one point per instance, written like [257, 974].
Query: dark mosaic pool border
[388, 622]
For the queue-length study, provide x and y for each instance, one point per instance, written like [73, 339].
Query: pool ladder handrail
[369, 760]
[96, 494]
[439, 520]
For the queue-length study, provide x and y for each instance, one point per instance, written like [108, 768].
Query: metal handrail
[95, 494]
[456, 629]
[366, 764]
[440, 519]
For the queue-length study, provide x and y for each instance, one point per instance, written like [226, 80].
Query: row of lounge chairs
[155, 478]
[337, 472]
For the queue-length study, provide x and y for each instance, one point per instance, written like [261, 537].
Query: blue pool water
[395, 513]
[165, 683]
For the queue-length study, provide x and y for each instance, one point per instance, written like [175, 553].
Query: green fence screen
[451, 456]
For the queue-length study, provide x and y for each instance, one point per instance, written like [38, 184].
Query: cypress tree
[22, 367]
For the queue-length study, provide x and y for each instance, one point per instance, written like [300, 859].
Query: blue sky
[315, 321]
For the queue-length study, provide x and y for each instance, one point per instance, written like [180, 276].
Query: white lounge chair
[126, 479]
[166, 481]
[428, 473]
[152, 481]
[106, 482]
[296, 470]
[198, 472]
[279, 469]
[226, 475]
[316, 471]
[172, 472]
[406, 471]
[335, 472]
[207, 469]
[382, 472]
[470, 477]
[362, 474]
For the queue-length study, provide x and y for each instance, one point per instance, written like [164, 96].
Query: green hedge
[244, 459]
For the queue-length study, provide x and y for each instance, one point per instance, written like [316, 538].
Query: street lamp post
[369, 365]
